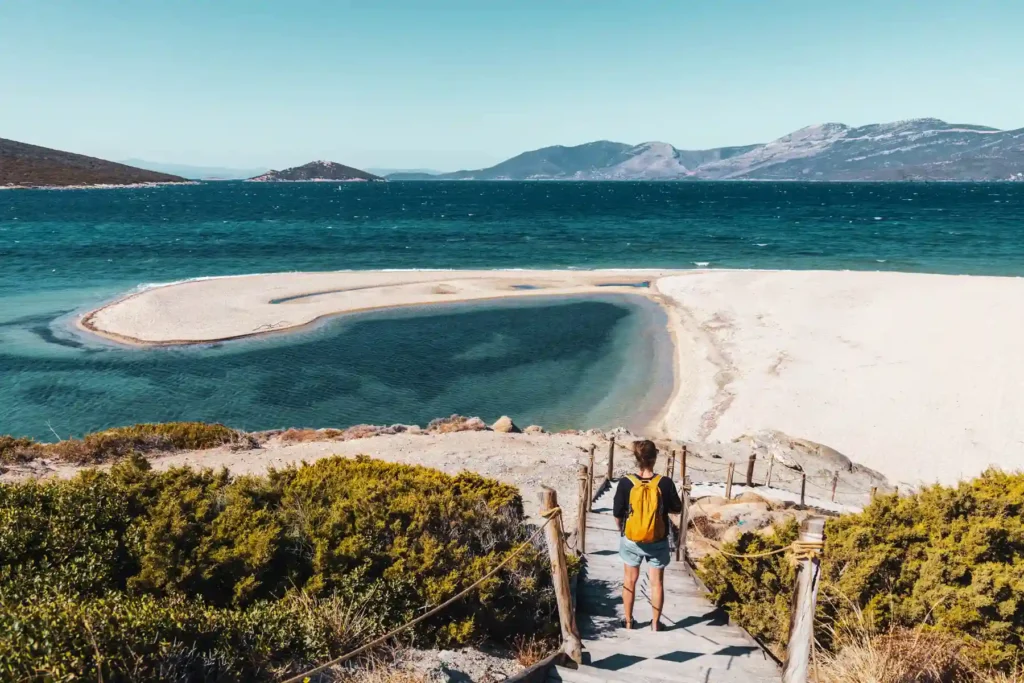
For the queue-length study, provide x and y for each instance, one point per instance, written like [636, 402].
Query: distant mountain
[317, 171]
[24, 165]
[919, 149]
[197, 172]
[385, 172]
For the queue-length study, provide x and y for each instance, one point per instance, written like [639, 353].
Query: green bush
[949, 559]
[187, 557]
[116, 443]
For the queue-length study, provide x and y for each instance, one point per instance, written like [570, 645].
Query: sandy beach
[917, 376]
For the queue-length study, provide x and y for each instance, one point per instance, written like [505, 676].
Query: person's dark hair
[646, 453]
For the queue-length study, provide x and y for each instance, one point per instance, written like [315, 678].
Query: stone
[534, 429]
[751, 497]
[505, 425]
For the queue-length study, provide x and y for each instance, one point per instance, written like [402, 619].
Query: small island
[317, 171]
[30, 166]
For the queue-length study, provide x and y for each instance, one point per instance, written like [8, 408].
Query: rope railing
[547, 514]
[760, 475]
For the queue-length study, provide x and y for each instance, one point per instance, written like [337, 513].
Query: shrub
[116, 443]
[14, 450]
[948, 559]
[196, 575]
[147, 638]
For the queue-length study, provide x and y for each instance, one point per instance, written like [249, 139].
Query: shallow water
[556, 363]
[62, 252]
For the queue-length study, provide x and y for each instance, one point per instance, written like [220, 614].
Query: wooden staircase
[697, 644]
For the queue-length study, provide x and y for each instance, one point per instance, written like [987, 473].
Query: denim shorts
[657, 554]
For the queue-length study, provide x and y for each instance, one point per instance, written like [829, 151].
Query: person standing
[643, 502]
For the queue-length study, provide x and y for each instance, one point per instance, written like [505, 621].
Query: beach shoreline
[528, 283]
[103, 186]
[910, 374]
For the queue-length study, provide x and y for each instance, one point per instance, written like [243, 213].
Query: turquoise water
[560, 364]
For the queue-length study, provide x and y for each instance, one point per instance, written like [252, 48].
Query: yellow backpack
[645, 523]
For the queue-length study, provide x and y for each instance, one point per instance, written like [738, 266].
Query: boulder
[534, 429]
[751, 497]
[505, 425]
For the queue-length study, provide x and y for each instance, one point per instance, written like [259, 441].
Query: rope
[548, 515]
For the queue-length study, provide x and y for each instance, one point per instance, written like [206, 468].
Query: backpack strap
[655, 480]
[634, 479]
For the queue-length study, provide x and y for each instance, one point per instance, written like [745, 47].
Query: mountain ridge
[25, 165]
[911, 149]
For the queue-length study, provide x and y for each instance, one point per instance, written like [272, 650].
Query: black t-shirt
[669, 500]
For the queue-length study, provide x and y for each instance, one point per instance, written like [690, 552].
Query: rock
[751, 497]
[623, 435]
[534, 429]
[731, 534]
[505, 425]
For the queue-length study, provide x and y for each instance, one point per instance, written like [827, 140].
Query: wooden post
[750, 470]
[590, 486]
[682, 465]
[803, 490]
[771, 464]
[611, 459]
[670, 466]
[805, 598]
[835, 480]
[581, 515]
[874, 492]
[728, 480]
[571, 644]
[683, 520]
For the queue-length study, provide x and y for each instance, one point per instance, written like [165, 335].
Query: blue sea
[562, 363]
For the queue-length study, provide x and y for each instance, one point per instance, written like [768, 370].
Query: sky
[446, 84]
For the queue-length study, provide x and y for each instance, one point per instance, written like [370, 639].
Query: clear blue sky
[450, 84]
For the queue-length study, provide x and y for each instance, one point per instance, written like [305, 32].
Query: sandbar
[918, 376]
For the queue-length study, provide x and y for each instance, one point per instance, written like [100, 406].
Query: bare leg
[629, 592]
[657, 594]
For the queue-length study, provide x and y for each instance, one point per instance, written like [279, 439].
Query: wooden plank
[560, 576]
[805, 597]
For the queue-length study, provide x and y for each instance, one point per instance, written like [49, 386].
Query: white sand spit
[215, 309]
[920, 377]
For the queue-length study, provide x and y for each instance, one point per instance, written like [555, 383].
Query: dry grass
[898, 657]
[306, 435]
[383, 674]
[530, 649]
[456, 423]
[901, 656]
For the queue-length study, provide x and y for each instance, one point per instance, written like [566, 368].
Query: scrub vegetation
[942, 569]
[196, 575]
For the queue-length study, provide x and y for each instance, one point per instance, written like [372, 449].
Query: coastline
[909, 374]
[101, 186]
[394, 289]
